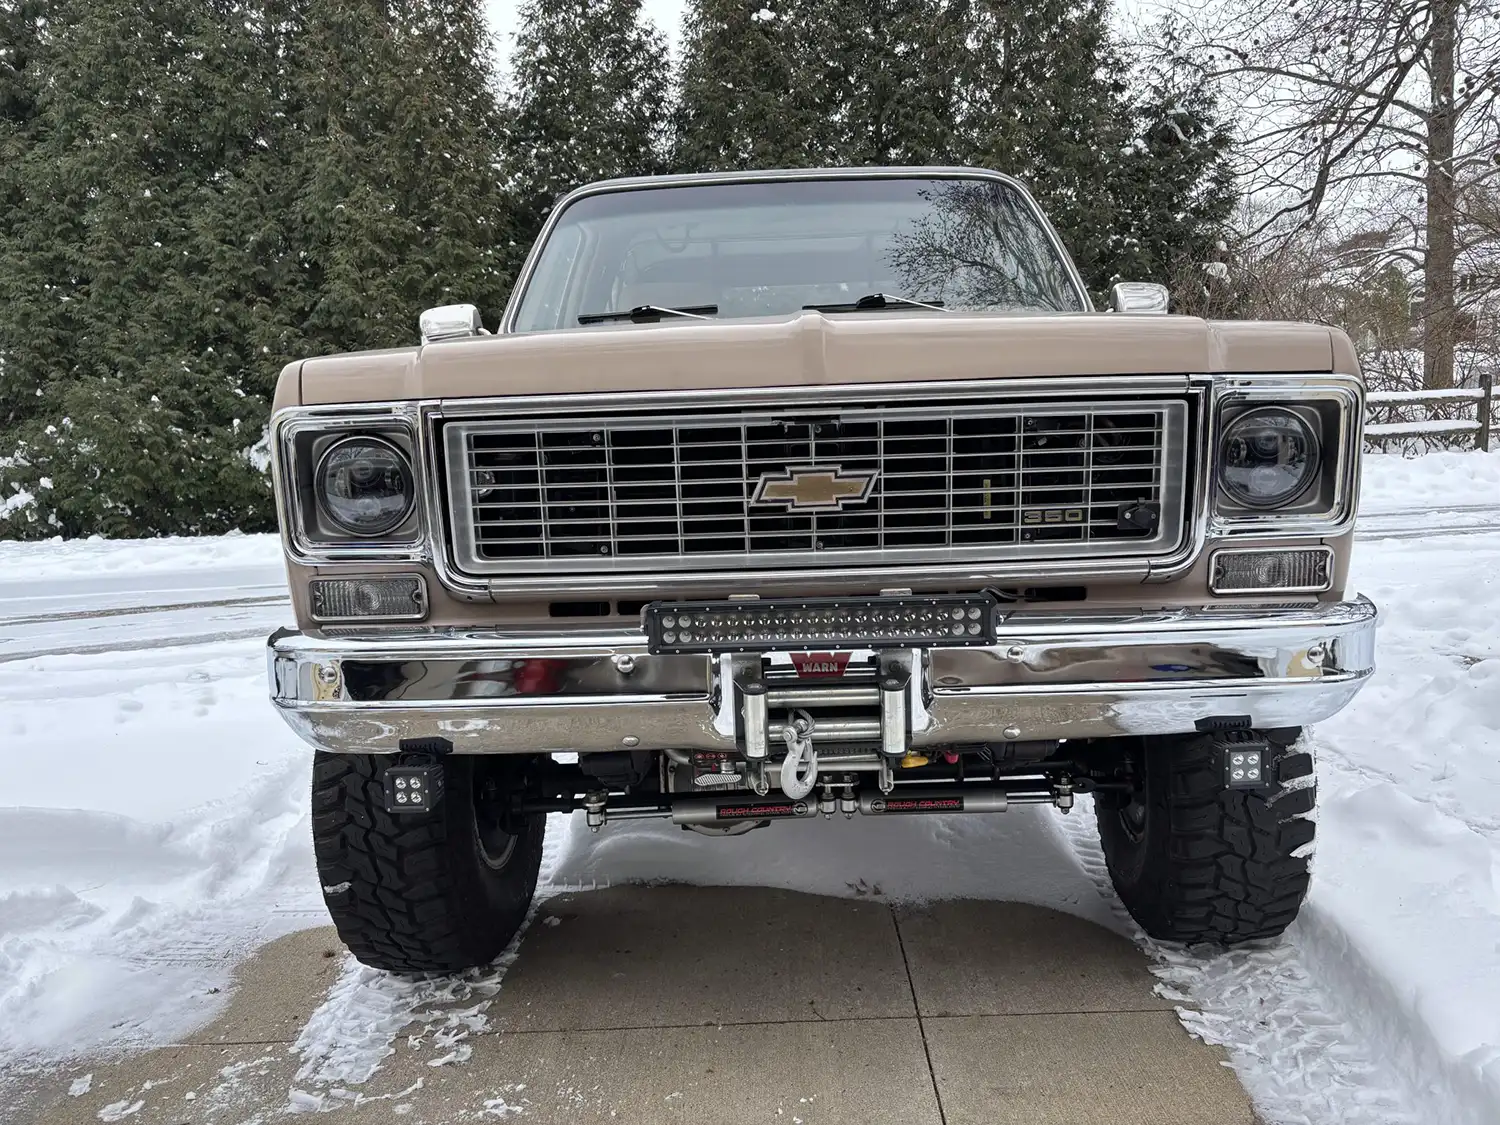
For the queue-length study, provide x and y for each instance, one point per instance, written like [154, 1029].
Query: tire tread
[401, 905]
[1215, 864]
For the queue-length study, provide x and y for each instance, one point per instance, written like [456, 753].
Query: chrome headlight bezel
[1332, 406]
[301, 438]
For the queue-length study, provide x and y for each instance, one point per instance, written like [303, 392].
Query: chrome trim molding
[821, 580]
[706, 179]
[1347, 392]
[1169, 468]
[1085, 675]
[378, 419]
[1062, 387]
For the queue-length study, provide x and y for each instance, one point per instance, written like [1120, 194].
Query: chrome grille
[632, 492]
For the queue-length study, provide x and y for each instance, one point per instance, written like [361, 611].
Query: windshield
[773, 247]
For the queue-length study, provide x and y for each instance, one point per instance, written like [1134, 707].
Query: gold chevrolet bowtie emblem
[814, 488]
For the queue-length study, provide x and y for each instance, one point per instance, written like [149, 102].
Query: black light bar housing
[824, 624]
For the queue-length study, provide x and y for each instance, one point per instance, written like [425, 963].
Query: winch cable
[799, 755]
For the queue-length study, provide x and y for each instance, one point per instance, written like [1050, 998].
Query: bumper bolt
[1016, 653]
[630, 740]
[1012, 732]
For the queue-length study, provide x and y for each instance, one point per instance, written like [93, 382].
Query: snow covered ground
[153, 828]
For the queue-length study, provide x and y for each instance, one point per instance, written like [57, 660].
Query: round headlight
[364, 485]
[1269, 457]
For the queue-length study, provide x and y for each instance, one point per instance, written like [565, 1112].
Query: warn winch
[818, 733]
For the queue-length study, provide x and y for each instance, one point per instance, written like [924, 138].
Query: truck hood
[812, 349]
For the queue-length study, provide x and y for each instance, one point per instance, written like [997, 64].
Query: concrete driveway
[707, 1005]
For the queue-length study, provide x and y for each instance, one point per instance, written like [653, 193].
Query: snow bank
[1301, 1054]
[55, 558]
[153, 832]
[1406, 903]
[59, 578]
[1017, 857]
[1393, 483]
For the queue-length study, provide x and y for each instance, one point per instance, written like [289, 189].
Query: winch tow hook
[799, 755]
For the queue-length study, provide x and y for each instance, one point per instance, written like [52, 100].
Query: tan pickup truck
[790, 495]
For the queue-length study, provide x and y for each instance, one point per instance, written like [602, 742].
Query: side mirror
[1138, 297]
[450, 322]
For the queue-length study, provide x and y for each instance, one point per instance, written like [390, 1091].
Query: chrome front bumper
[1051, 676]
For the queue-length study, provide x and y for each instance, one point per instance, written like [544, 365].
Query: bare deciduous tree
[1378, 120]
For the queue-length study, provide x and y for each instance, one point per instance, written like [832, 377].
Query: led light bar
[828, 624]
[1298, 571]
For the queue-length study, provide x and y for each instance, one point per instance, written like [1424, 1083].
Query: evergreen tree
[742, 90]
[1134, 174]
[26, 309]
[1044, 99]
[398, 206]
[1176, 189]
[882, 79]
[589, 99]
[802, 83]
[210, 190]
[135, 420]
[21, 35]
[1136, 181]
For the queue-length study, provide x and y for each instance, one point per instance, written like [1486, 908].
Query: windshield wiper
[642, 314]
[874, 302]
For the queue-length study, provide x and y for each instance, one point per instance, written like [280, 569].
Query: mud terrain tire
[420, 893]
[1195, 862]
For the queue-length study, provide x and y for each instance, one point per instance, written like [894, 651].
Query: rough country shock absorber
[932, 800]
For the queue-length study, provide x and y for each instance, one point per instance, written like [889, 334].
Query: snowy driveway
[153, 824]
[706, 1005]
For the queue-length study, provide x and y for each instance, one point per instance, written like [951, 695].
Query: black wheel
[1195, 862]
[418, 893]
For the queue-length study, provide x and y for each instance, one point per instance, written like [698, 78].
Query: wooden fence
[1463, 417]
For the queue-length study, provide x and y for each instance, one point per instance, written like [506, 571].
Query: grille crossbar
[631, 492]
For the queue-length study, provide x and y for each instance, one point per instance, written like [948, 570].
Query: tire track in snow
[1427, 532]
[136, 646]
[135, 610]
[1415, 524]
[352, 1033]
[1282, 1012]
